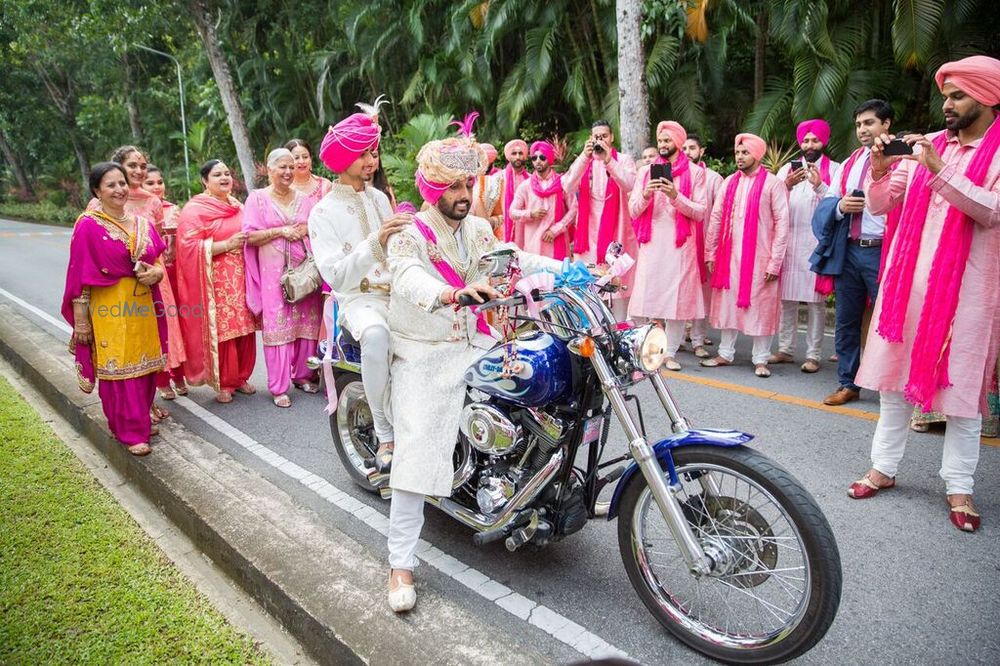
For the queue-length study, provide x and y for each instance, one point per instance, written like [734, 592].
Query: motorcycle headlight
[647, 347]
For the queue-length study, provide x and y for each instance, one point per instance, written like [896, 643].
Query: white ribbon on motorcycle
[618, 268]
[543, 281]
[330, 321]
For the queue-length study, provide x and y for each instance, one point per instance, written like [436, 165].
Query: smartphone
[858, 193]
[897, 147]
[598, 148]
[663, 171]
[796, 165]
[138, 265]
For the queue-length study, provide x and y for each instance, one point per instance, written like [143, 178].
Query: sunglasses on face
[538, 158]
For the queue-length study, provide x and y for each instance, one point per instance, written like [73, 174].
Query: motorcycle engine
[489, 430]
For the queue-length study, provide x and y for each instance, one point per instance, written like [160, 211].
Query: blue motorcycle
[725, 548]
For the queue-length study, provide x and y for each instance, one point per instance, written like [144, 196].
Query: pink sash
[447, 272]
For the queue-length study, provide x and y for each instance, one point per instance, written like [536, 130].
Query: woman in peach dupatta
[175, 371]
[219, 330]
[306, 182]
[143, 203]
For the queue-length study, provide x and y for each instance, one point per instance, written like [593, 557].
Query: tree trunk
[60, 89]
[23, 183]
[227, 90]
[760, 51]
[130, 106]
[633, 98]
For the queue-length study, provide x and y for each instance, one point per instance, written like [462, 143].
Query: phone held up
[796, 165]
[657, 171]
[858, 193]
[897, 147]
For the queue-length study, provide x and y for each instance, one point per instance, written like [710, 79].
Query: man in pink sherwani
[695, 150]
[665, 216]
[938, 308]
[604, 179]
[807, 183]
[543, 213]
[507, 182]
[745, 249]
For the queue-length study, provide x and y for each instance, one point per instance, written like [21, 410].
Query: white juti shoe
[403, 598]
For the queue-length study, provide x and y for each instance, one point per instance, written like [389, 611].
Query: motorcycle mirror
[615, 250]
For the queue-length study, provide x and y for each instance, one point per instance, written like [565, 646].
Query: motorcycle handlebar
[467, 301]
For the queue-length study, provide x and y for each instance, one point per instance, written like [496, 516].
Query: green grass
[44, 211]
[80, 582]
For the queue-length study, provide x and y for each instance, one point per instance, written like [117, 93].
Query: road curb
[324, 587]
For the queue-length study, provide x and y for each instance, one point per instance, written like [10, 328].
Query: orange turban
[752, 143]
[976, 76]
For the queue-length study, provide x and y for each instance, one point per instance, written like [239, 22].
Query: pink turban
[511, 145]
[491, 152]
[348, 140]
[545, 148]
[819, 128]
[976, 76]
[677, 133]
[752, 143]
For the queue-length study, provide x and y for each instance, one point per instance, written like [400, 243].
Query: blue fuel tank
[541, 371]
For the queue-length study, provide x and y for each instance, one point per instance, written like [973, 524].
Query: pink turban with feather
[819, 128]
[348, 140]
[753, 143]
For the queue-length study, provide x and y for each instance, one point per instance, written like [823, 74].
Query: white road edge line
[555, 624]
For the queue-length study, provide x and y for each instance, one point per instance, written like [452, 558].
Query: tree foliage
[533, 67]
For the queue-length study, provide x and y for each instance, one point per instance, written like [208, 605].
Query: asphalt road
[915, 589]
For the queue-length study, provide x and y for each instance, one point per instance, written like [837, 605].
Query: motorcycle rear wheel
[778, 588]
[353, 430]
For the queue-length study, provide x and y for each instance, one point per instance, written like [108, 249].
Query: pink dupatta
[607, 230]
[720, 279]
[560, 249]
[509, 187]
[446, 270]
[932, 341]
[643, 224]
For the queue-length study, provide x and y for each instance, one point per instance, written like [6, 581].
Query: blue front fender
[703, 437]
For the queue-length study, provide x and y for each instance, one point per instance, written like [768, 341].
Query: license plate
[592, 430]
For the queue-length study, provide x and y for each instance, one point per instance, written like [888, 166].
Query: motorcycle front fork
[670, 507]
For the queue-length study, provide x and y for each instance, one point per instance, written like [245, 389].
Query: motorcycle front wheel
[775, 587]
[353, 430]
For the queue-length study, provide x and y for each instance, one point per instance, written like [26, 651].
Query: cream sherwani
[433, 346]
[343, 229]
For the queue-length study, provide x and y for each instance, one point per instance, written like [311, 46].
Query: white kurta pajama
[699, 327]
[798, 282]
[343, 231]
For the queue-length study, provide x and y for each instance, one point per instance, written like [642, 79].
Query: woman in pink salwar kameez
[276, 220]
[219, 330]
[110, 300]
[306, 182]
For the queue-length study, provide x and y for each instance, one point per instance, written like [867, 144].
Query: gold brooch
[433, 253]
[365, 286]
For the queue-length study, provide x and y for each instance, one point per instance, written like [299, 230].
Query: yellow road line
[788, 399]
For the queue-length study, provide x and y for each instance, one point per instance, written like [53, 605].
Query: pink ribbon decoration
[618, 268]
[543, 281]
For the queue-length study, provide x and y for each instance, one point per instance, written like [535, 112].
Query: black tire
[756, 551]
[352, 430]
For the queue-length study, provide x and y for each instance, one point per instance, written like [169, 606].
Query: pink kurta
[798, 282]
[530, 230]
[622, 170]
[976, 330]
[667, 278]
[764, 313]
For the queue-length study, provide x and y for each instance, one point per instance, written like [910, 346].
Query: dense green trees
[74, 85]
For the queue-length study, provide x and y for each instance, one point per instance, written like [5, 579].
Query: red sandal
[865, 488]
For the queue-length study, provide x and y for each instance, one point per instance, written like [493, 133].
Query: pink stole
[559, 245]
[720, 279]
[447, 271]
[607, 230]
[643, 224]
[932, 340]
[824, 283]
[509, 187]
